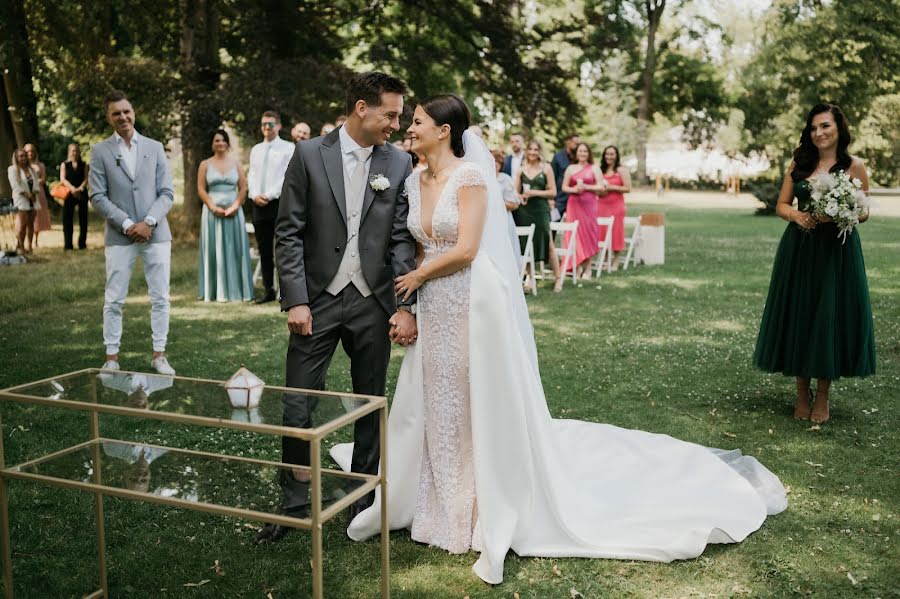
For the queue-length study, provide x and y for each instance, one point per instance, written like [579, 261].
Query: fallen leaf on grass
[573, 594]
[195, 584]
[218, 568]
[814, 427]
[853, 581]
[556, 570]
[516, 595]
[269, 596]
[729, 435]
[814, 465]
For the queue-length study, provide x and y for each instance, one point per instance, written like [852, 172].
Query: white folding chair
[528, 254]
[565, 252]
[254, 254]
[633, 240]
[604, 256]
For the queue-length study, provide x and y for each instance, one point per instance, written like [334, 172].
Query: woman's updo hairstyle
[447, 109]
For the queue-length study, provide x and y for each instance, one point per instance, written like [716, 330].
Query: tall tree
[201, 110]
[846, 52]
[18, 122]
[631, 26]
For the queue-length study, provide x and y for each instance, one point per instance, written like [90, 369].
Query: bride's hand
[408, 283]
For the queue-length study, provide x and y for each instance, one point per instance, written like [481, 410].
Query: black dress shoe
[268, 296]
[271, 533]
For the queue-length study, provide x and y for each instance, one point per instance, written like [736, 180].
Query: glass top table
[195, 480]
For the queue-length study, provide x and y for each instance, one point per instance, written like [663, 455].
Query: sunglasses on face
[268, 125]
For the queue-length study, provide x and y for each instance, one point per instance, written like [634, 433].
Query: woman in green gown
[536, 186]
[817, 322]
[224, 273]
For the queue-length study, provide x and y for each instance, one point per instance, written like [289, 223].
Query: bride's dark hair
[806, 156]
[447, 109]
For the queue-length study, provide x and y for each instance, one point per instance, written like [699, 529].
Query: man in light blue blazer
[132, 188]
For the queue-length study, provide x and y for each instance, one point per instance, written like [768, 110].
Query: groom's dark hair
[369, 86]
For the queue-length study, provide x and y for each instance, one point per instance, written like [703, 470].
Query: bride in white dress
[475, 459]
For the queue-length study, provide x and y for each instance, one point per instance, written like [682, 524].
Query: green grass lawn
[665, 349]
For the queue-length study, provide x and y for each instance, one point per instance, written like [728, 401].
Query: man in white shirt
[131, 186]
[513, 162]
[268, 162]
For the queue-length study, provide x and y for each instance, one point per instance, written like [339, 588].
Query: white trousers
[119, 264]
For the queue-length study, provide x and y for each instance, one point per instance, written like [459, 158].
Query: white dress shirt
[268, 184]
[515, 163]
[350, 268]
[128, 156]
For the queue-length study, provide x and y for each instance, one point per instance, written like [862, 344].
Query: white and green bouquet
[839, 197]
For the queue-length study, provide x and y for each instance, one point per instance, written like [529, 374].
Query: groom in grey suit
[340, 240]
[132, 188]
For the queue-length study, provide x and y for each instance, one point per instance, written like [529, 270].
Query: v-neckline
[437, 203]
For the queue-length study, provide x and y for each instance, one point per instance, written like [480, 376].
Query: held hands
[408, 283]
[403, 328]
[804, 220]
[300, 320]
[261, 201]
[231, 210]
[139, 232]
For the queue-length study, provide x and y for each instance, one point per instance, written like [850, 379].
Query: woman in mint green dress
[224, 273]
[817, 322]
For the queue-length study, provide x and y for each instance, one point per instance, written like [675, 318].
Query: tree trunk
[7, 141]
[15, 64]
[201, 113]
[655, 10]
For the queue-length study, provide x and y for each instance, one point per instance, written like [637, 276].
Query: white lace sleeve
[470, 176]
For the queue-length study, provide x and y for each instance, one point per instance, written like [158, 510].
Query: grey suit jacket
[311, 230]
[118, 196]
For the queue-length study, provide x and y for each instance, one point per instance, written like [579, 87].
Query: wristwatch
[404, 308]
[150, 221]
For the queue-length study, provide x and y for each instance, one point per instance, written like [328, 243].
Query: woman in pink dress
[42, 215]
[612, 202]
[582, 181]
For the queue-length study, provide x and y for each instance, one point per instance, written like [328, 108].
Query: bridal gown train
[476, 461]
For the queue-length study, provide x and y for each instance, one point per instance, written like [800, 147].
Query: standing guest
[561, 161]
[510, 201]
[612, 201]
[817, 322]
[24, 178]
[224, 272]
[300, 132]
[513, 162]
[582, 181]
[132, 188]
[326, 129]
[536, 187]
[42, 215]
[340, 120]
[73, 173]
[268, 161]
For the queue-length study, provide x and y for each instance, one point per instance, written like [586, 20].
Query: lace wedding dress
[477, 462]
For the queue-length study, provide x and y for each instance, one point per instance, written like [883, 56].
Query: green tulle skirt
[817, 322]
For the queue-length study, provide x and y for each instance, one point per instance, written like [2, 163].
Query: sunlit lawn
[665, 349]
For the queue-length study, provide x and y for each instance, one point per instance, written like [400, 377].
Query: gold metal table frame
[318, 515]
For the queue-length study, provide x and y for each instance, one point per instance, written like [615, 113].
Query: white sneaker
[110, 365]
[161, 365]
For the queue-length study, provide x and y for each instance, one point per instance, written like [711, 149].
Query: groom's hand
[403, 328]
[300, 320]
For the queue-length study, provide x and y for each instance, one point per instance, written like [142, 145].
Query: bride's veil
[495, 241]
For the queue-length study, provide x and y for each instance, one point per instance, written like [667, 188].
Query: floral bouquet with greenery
[837, 197]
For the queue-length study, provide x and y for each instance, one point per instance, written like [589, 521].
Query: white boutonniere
[379, 182]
